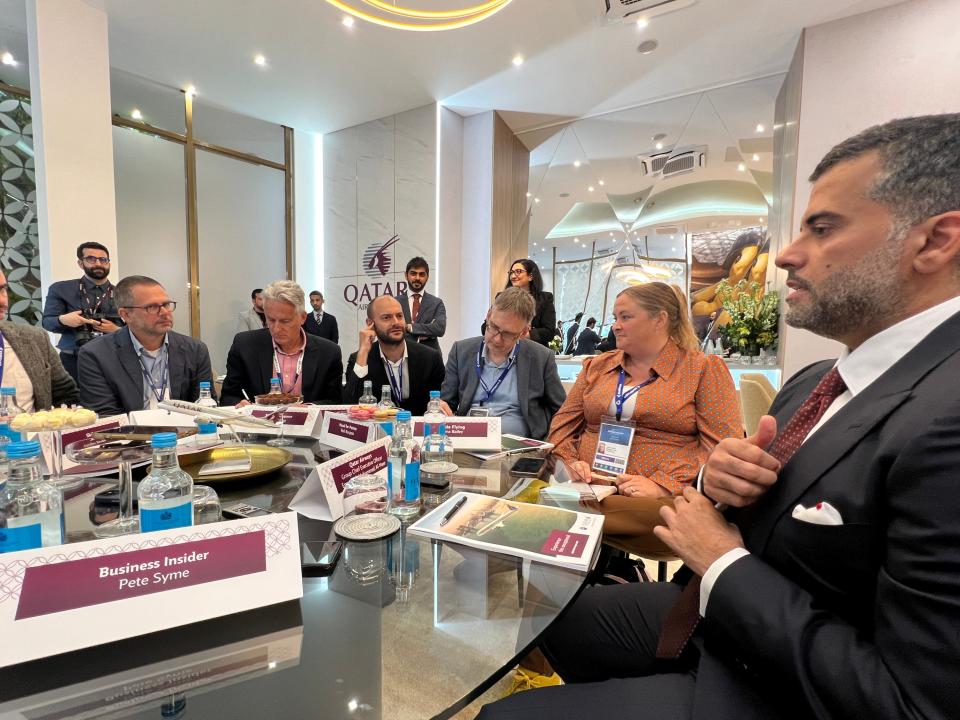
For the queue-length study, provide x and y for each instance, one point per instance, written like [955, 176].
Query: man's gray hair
[920, 165]
[516, 301]
[123, 292]
[285, 291]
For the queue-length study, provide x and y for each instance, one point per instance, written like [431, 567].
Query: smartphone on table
[527, 467]
[319, 557]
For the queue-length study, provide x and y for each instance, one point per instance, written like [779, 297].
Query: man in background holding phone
[503, 374]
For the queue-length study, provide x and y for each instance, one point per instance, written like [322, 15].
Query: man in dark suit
[320, 323]
[305, 364]
[588, 340]
[145, 362]
[518, 379]
[572, 331]
[831, 588]
[425, 314]
[387, 357]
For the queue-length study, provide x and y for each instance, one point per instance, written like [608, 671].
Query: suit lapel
[309, 369]
[524, 367]
[131, 365]
[405, 306]
[265, 362]
[176, 357]
[470, 388]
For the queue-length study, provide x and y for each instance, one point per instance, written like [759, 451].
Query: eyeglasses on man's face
[493, 330]
[94, 260]
[168, 306]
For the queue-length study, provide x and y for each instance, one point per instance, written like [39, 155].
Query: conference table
[404, 627]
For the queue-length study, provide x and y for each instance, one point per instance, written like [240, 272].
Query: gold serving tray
[264, 460]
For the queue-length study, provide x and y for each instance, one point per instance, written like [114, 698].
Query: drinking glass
[280, 441]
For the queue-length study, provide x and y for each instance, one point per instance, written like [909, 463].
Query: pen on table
[453, 511]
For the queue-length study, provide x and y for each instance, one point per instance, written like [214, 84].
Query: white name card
[59, 599]
[340, 431]
[467, 433]
[298, 421]
[321, 495]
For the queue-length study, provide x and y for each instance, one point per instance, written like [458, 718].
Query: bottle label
[167, 518]
[25, 537]
[426, 430]
[412, 484]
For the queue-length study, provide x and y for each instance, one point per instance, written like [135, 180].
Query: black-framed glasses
[169, 306]
[94, 260]
[493, 330]
[518, 271]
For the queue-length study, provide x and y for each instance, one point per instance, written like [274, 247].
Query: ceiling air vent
[632, 10]
[674, 162]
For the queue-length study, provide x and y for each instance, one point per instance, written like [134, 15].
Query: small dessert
[360, 412]
[278, 399]
[53, 419]
[385, 413]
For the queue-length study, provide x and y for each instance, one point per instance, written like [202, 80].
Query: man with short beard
[821, 570]
[84, 309]
[425, 315]
[387, 357]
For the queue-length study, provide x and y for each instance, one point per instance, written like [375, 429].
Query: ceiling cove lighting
[260, 61]
[517, 60]
[136, 114]
[8, 59]
[399, 17]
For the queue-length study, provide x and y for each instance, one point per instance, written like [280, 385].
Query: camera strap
[85, 298]
[3, 353]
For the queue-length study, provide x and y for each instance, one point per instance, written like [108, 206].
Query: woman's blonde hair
[656, 297]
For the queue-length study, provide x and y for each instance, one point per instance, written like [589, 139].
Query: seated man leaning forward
[145, 362]
[306, 365]
[387, 357]
[830, 587]
[503, 372]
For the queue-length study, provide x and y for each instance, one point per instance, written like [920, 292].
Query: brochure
[511, 445]
[551, 535]
[579, 491]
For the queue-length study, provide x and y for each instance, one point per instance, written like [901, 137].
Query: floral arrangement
[754, 317]
[556, 345]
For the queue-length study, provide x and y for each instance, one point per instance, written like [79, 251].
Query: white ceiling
[322, 76]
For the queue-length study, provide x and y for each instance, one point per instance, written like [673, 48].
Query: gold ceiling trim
[419, 20]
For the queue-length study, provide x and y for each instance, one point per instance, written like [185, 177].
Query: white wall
[450, 275]
[308, 211]
[477, 220]
[896, 62]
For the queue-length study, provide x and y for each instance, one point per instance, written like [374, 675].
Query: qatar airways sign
[372, 281]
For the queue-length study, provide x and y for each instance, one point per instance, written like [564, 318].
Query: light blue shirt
[157, 364]
[505, 402]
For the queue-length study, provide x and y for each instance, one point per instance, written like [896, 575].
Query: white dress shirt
[401, 368]
[859, 369]
[15, 375]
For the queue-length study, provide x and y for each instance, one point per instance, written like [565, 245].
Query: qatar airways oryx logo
[376, 261]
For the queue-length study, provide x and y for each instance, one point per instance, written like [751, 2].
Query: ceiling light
[601, 183]
[347, 21]
[756, 158]
[590, 188]
[647, 47]
[190, 91]
[536, 199]
[392, 15]
[260, 60]
[760, 128]
[741, 167]
[576, 163]
[642, 23]
[8, 59]
[761, 219]
[517, 60]
[659, 146]
[136, 114]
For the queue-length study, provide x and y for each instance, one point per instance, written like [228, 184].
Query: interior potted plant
[752, 317]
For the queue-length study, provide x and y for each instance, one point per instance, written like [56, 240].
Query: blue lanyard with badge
[396, 383]
[158, 393]
[616, 434]
[491, 390]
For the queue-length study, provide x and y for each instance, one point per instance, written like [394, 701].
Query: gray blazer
[111, 379]
[431, 321]
[538, 383]
[249, 320]
[52, 386]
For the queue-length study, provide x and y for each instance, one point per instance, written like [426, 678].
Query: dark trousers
[69, 361]
[604, 648]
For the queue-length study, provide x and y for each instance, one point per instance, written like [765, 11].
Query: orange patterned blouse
[679, 418]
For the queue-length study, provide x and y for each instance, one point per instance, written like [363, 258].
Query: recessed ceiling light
[647, 47]
[741, 167]
[190, 91]
[760, 127]
[601, 183]
[642, 23]
[659, 146]
[536, 199]
[136, 114]
[576, 163]
[611, 234]
[590, 188]
[761, 219]
[260, 61]
[756, 158]
[347, 21]
[517, 60]
[8, 59]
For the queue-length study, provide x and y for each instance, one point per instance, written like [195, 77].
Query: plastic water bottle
[8, 411]
[165, 495]
[31, 509]
[403, 470]
[207, 435]
[275, 386]
[435, 431]
[206, 399]
[386, 399]
[368, 399]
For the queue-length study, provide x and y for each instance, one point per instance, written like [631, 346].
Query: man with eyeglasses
[146, 362]
[502, 373]
[83, 309]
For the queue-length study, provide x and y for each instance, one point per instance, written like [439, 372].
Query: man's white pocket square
[823, 513]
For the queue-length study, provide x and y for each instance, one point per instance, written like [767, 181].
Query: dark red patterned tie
[684, 616]
[415, 311]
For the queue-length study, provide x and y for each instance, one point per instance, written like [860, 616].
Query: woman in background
[525, 274]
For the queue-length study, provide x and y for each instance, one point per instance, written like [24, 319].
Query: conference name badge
[613, 447]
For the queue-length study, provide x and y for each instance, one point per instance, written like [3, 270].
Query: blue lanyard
[622, 397]
[503, 374]
[396, 384]
[148, 376]
[3, 352]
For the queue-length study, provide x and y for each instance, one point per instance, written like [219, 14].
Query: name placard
[321, 495]
[467, 433]
[340, 431]
[299, 421]
[58, 599]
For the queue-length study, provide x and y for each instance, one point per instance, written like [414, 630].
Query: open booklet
[510, 445]
[549, 535]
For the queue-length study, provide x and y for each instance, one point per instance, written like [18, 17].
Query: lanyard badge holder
[616, 434]
[479, 410]
[396, 384]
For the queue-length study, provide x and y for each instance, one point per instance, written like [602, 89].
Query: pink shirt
[288, 367]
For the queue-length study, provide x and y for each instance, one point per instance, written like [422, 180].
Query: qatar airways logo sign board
[377, 266]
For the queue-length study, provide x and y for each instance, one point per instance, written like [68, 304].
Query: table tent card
[299, 421]
[467, 433]
[321, 495]
[338, 430]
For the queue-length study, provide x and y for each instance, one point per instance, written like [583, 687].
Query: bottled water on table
[435, 444]
[31, 509]
[386, 399]
[368, 399]
[206, 399]
[275, 386]
[165, 495]
[403, 470]
[8, 411]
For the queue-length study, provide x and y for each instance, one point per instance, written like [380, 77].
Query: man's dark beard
[385, 338]
[416, 285]
[97, 272]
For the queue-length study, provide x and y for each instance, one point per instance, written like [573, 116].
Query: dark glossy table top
[352, 647]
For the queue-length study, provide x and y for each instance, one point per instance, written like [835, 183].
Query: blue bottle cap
[404, 415]
[23, 449]
[204, 385]
[164, 440]
[207, 428]
[8, 391]
[434, 394]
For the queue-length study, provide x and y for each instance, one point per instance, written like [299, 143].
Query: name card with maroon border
[321, 495]
[59, 599]
[340, 431]
[467, 433]
[299, 421]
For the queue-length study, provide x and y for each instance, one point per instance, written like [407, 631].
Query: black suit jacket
[327, 328]
[431, 320]
[425, 369]
[858, 620]
[250, 367]
[543, 327]
[111, 379]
